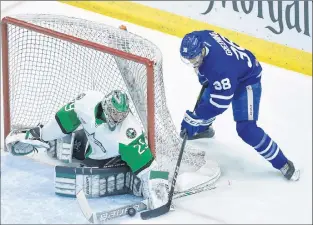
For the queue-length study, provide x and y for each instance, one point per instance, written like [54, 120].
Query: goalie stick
[166, 208]
[105, 216]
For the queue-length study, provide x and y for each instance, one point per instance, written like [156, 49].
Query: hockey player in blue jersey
[232, 75]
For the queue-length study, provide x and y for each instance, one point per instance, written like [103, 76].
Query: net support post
[5, 78]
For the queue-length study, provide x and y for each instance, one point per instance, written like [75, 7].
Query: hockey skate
[290, 172]
[208, 133]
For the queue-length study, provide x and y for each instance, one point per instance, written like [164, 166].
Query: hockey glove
[202, 79]
[194, 125]
[25, 141]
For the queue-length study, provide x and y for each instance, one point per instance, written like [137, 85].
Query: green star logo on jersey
[131, 133]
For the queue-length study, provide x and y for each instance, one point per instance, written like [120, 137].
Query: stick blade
[84, 206]
[155, 212]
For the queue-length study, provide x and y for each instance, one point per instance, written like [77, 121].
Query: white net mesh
[47, 72]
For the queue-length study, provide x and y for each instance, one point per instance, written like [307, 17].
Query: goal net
[48, 60]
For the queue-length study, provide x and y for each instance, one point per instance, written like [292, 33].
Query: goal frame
[45, 31]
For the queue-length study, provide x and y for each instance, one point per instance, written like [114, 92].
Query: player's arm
[214, 101]
[67, 118]
[133, 147]
[137, 153]
[217, 97]
[63, 123]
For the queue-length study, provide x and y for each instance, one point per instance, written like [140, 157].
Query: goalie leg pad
[155, 185]
[96, 182]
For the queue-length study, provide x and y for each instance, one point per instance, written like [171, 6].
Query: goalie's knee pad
[81, 145]
[72, 145]
[62, 148]
[249, 132]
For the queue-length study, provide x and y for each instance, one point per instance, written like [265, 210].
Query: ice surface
[250, 190]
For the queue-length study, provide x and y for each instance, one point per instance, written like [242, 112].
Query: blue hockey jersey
[227, 67]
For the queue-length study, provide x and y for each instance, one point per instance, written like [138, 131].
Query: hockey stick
[105, 216]
[166, 208]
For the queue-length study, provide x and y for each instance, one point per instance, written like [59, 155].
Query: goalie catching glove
[24, 141]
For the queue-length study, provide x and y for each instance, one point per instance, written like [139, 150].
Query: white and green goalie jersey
[127, 139]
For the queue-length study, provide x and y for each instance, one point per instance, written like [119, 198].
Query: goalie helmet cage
[47, 60]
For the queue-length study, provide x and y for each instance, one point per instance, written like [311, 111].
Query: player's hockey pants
[245, 105]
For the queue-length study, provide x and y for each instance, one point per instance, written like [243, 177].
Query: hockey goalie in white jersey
[110, 131]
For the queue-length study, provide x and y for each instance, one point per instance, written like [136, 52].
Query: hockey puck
[131, 212]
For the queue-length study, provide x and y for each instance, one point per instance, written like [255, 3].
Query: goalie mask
[115, 107]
